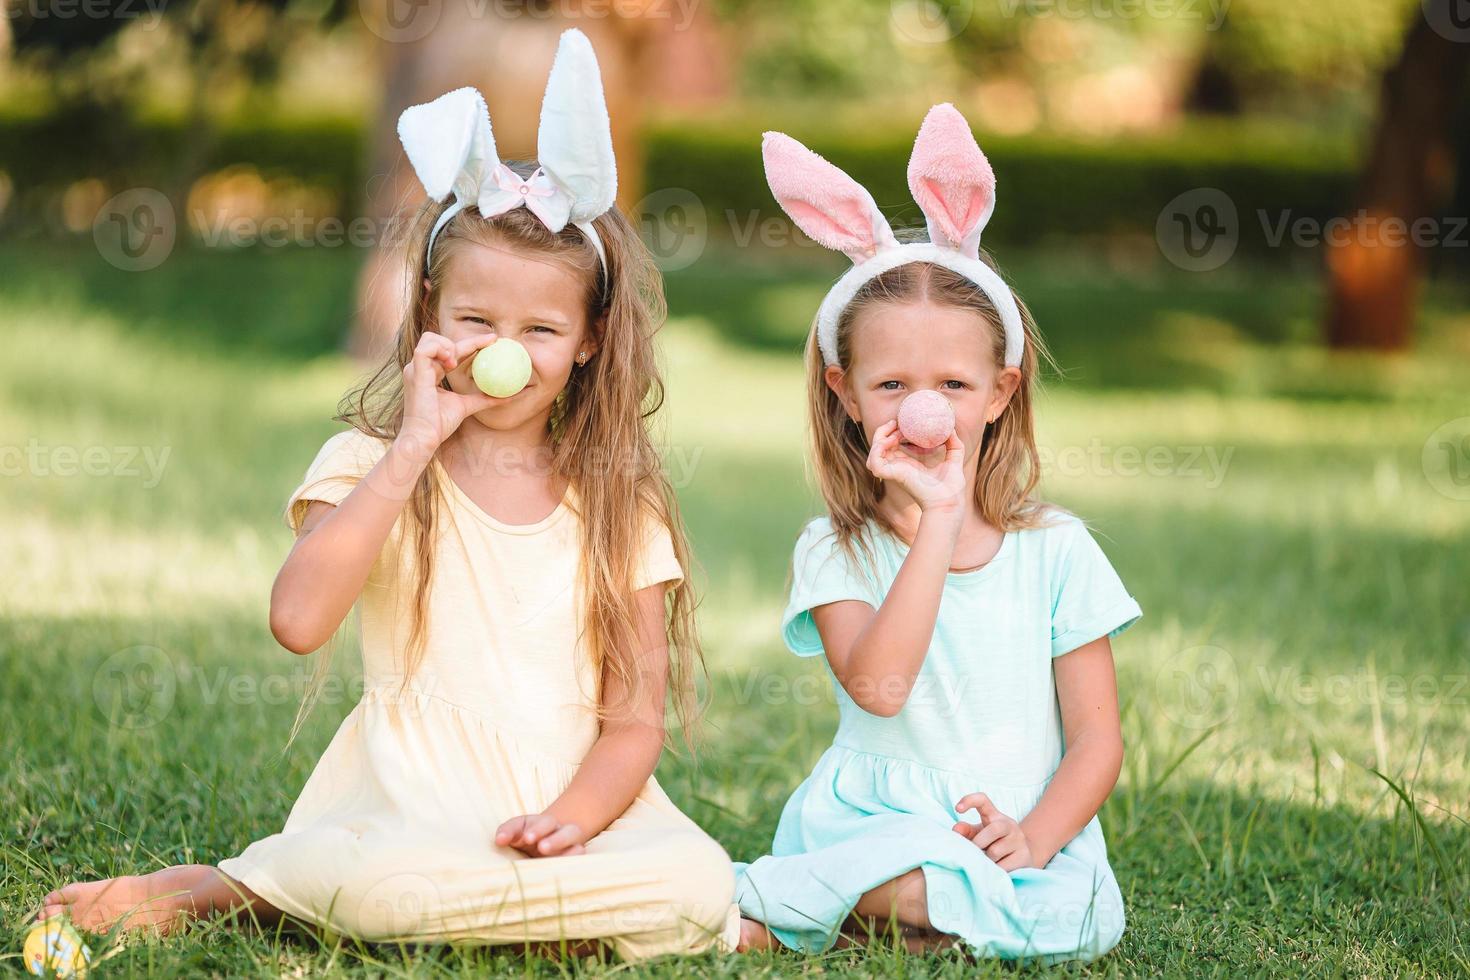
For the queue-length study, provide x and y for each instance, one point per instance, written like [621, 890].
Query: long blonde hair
[599, 438]
[1009, 466]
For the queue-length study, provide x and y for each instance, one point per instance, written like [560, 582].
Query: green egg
[502, 369]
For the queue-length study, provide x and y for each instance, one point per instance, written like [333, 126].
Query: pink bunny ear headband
[955, 188]
[452, 150]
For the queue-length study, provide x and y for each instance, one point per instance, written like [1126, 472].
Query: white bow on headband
[955, 188]
[452, 149]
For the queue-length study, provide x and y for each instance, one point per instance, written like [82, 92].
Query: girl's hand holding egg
[432, 412]
[941, 486]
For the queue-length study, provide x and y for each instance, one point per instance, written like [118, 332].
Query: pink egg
[926, 419]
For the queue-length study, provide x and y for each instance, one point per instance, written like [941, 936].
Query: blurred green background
[1285, 492]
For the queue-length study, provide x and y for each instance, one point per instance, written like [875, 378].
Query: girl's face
[529, 298]
[899, 348]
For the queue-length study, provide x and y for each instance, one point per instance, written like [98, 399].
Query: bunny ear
[574, 143]
[824, 202]
[951, 180]
[449, 143]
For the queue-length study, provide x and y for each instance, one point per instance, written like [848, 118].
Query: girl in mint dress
[965, 625]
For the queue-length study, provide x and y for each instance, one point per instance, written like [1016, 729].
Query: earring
[582, 357]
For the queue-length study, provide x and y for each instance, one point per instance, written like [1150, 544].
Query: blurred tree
[803, 48]
[1374, 270]
[1307, 57]
[228, 44]
[1079, 67]
[1094, 66]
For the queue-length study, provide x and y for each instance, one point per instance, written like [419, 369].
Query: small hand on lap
[999, 836]
[540, 835]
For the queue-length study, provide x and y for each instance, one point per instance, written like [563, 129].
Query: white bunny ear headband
[955, 188]
[452, 150]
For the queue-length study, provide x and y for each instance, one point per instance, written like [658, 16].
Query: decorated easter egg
[55, 947]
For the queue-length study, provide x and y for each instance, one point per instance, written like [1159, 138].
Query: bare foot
[754, 937]
[130, 900]
[163, 900]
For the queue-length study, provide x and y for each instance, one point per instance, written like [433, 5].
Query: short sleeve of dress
[1089, 600]
[821, 573]
[340, 465]
[657, 561]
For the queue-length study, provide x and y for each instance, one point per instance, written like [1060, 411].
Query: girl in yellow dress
[519, 566]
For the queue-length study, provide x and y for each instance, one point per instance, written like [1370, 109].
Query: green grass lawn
[1296, 699]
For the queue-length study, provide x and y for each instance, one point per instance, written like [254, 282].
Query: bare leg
[163, 900]
[903, 899]
[901, 905]
[755, 937]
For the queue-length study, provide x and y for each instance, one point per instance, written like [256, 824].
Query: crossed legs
[900, 903]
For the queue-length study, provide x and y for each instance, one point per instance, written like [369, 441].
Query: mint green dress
[982, 717]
